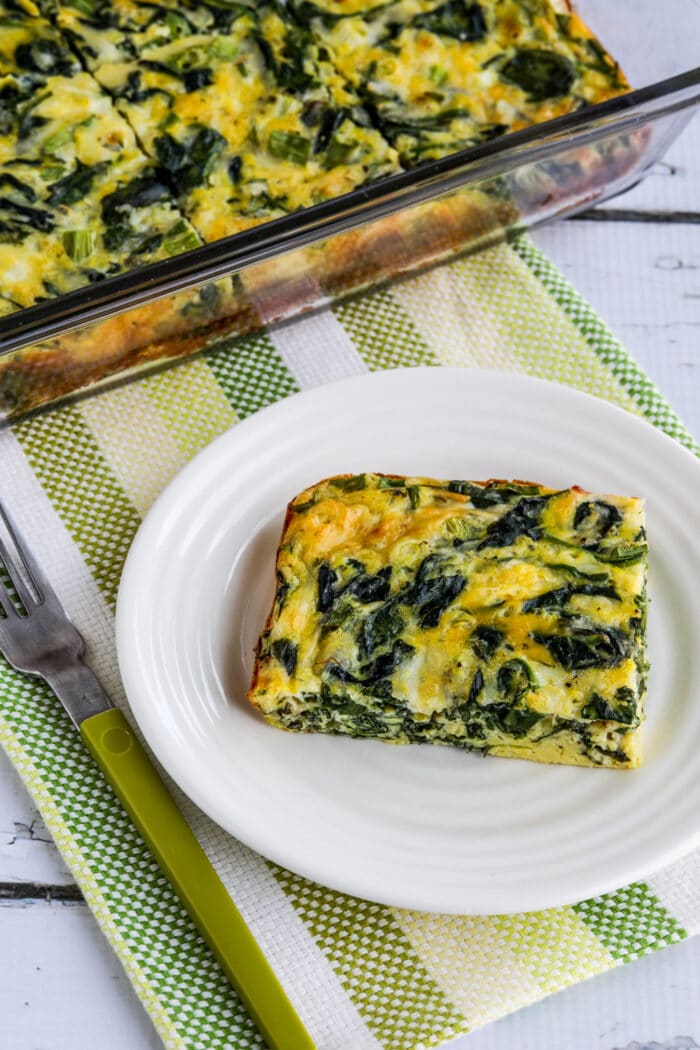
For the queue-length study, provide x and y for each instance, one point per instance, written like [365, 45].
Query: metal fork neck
[79, 690]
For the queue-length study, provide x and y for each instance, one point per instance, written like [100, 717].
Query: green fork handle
[131, 773]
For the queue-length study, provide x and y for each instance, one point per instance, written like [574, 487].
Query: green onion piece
[176, 25]
[194, 57]
[58, 139]
[86, 7]
[224, 48]
[51, 172]
[79, 243]
[181, 238]
[437, 75]
[287, 145]
[337, 153]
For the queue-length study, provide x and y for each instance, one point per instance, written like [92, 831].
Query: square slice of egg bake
[501, 617]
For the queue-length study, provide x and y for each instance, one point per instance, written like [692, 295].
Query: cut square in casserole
[247, 119]
[63, 226]
[64, 120]
[502, 617]
[80, 201]
[441, 76]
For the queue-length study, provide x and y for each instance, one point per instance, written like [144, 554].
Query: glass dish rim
[137, 287]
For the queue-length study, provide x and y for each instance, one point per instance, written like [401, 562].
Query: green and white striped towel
[361, 975]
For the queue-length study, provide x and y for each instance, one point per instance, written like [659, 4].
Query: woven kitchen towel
[361, 975]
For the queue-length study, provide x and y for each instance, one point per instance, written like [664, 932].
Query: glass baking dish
[113, 330]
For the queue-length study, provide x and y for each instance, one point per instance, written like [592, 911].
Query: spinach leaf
[548, 601]
[591, 577]
[484, 496]
[368, 588]
[481, 719]
[622, 709]
[73, 187]
[117, 206]
[514, 679]
[18, 218]
[341, 615]
[28, 120]
[521, 520]
[44, 56]
[485, 640]
[431, 592]
[476, 687]
[235, 170]
[327, 579]
[540, 73]
[558, 598]
[594, 519]
[337, 712]
[385, 664]
[282, 591]
[584, 646]
[380, 668]
[286, 653]
[395, 123]
[203, 150]
[11, 99]
[291, 72]
[171, 153]
[597, 754]
[456, 18]
[196, 79]
[133, 92]
[380, 628]
[516, 720]
[330, 122]
[139, 193]
[10, 180]
[189, 163]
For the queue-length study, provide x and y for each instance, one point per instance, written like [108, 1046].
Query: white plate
[420, 827]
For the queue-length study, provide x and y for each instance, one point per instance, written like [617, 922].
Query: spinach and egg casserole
[502, 617]
[131, 130]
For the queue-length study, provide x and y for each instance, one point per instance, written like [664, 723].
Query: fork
[39, 639]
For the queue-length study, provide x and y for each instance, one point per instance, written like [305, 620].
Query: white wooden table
[638, 261]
